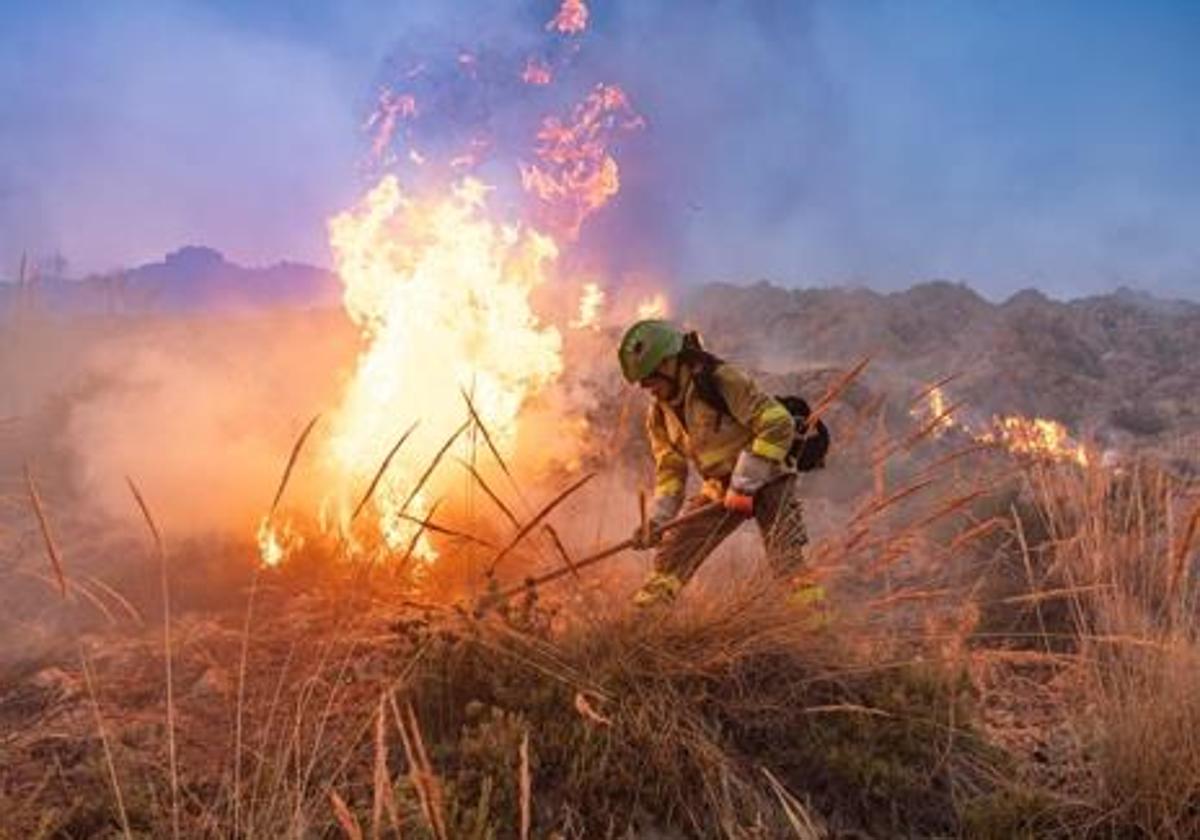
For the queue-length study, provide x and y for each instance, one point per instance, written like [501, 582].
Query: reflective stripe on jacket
[691, 430]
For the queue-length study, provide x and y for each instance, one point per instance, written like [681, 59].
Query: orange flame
[1037, 437]
[571, 19]
[441, 294]
[440, 290]
[577, 174]
[276, 541]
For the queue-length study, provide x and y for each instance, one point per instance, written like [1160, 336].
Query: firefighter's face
[663, 382]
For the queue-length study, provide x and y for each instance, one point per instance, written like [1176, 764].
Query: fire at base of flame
[276, 541]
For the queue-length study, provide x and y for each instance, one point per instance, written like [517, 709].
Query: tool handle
[604, 554]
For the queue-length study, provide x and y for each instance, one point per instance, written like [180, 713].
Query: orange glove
[739, 503]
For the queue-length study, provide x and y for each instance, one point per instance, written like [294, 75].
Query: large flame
[441, 293]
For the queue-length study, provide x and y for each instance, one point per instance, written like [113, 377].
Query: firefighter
[709, 414]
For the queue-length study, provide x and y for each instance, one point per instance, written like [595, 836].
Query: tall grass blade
[47, 538]
[382, 469]
[166, 600]
[533, 523]
[291, 463]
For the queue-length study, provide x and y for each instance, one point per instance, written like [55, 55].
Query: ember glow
[572, 18]
[537, 72]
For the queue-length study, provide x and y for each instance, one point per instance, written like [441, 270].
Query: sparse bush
[1121, 547]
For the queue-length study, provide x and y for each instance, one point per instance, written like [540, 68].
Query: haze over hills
[1118, 368]
[192, 278]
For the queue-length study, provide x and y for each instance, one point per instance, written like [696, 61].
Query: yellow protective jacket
[690, 430]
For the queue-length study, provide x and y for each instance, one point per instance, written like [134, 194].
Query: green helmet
[644, 347]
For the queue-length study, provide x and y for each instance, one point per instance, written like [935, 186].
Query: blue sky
[1008, 143]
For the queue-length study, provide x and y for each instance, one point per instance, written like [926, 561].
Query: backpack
[812, 442]
[810, 445]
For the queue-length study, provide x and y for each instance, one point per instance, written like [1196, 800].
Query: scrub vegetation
[1007, 648]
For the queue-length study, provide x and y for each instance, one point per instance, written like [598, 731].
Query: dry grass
[736, 715]
[1120, 550]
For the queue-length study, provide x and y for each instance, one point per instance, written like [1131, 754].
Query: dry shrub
[692, 714]
[1122, 549]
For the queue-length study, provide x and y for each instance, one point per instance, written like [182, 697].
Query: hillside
[189, 279]
[1119, 369]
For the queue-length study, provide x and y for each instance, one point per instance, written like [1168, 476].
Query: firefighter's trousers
[779, 513]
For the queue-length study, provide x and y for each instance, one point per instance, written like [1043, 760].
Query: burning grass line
[166, 600]
[508, 514]
[47, 538]
[291, 463]
[382, 469]
[542, 514]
